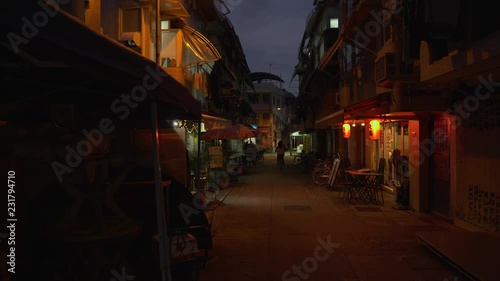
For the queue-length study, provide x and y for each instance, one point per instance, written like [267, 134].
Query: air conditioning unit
[388, 69]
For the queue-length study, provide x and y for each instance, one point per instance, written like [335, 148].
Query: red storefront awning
[330, 120]
[213, 122]
[379, 104]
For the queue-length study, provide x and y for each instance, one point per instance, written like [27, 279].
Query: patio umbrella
[237, 131]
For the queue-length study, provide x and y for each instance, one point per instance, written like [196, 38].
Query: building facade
[430, 81]
[268, 102]
[318, 99]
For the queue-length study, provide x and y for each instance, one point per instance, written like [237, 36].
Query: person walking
[280, 152]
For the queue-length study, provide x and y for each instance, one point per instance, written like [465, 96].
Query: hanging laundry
[205, 86]
[198, 81]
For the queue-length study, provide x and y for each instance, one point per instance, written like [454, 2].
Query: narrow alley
[278, 225]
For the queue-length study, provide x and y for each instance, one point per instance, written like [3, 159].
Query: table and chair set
[360, 186]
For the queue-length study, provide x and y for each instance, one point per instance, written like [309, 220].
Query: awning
[213, 122]
[327, 57]
[80, 66]
[237, 131]
[255, 132]
[201, 49]
[331, 120]
[377, 105]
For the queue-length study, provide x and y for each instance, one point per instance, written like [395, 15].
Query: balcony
[173, 8]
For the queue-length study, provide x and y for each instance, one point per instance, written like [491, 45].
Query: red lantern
[374, 129]
[346, 131]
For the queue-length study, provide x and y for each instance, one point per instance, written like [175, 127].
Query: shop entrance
[440, 167]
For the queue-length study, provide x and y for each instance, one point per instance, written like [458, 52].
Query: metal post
[163, 239]
[198, 165]
[158, 34]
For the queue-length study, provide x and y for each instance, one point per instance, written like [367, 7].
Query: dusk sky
[270, 32]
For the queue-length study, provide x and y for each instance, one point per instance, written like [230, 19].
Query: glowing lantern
[374, 129]
[346, 130]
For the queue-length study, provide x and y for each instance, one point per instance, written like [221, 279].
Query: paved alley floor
[277, 225]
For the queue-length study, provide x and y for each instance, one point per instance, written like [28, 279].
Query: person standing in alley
[402, 175]
[280, 152]
[400, 165]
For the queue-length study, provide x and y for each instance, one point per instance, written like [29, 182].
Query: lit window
[334, 23]
[165, 24]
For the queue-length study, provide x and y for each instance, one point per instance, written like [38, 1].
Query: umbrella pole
[160, 201]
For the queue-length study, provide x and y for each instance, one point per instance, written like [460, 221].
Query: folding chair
[377, 182]
[333, 173]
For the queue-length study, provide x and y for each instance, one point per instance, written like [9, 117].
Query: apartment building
[318, 98]
[426, 72]
[268, 103]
